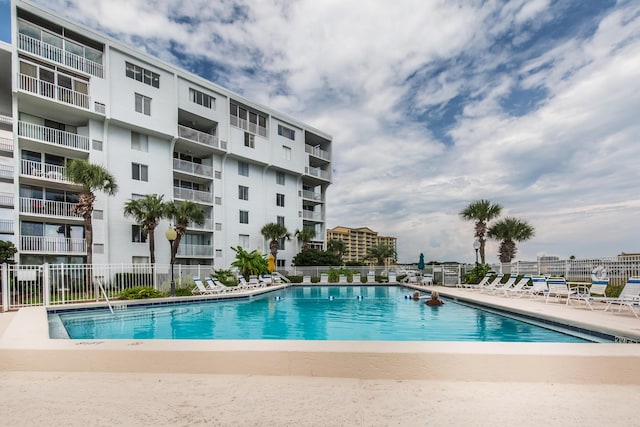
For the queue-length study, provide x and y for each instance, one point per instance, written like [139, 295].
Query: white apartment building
[67, 92]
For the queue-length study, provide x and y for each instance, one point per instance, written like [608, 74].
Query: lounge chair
[629, 296]
[491, 285]
[242, 283]
[538, 287]
[596, 292]
[558, 289]
[371, 277]
[266, 279]
[306, 279]
[518, 288]
[324, 278]
[480, 285]
[392, 278]
[200, 288]
[506, 285]
[355, 279]
[342, 279]
[427, 279]
[214, 285]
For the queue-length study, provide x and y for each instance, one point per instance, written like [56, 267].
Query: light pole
[171, 235]
[476, 246]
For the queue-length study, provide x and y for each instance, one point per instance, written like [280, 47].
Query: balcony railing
[53, 136]
[30, 205]
[6, 199]
[314, 216]
[195, 250]
[193, 168]
[6, 226]
[6, 144]
[320, 173]
[4, 118]
[200, 137]
[246, 125]
[208, 225]
[6, 172]
[53, 91]
[43, 170]
[193, 195]
[310, 195]
[317, 152]
[58, 245]
[61, 56]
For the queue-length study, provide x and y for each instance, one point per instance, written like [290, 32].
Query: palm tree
[508, 231]
[249, 263]
[380, 253]
[305, 236]
[274, 232]
[337, 247]
[147, 212]
[182, 213]
[92, 178]
[481, 211]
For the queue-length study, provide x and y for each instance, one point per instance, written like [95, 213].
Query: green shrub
[295, 279]
[185, 291]
[226, 277]
[140, 292]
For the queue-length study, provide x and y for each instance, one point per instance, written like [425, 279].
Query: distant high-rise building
[358, 241]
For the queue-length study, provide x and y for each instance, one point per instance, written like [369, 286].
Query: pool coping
[25, 345]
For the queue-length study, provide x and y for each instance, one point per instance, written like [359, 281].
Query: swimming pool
[360, 313]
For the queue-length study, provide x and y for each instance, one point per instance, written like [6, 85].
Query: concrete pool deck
[327, 383]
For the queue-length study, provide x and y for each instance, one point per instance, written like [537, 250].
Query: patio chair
[200, 288]
[242, 283]
[491, 285]
[558, 289]
[538, 287]
[506, 285]
[215, 285]
[306, 279]
[266, 279]
[518, 288]
[371, 277]
[629, 296]
[324, 278]
[596, 292]
[392, 278]
[480, 285]
[355, 279]
[342, 278]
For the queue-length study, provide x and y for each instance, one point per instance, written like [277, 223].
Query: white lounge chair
[427, 279]
[490, 286]
[242, 283]
[371, 277]
[200, 288]
[499, 287]
[538, 287]
[558, 289]
[266, 279]
[306, 279]
[214, 285]
[392, 278]
[324, 278]
[342, 278]
[480, 285]
[596, 292]
[629, 296]
[518, 288]
[355, 279]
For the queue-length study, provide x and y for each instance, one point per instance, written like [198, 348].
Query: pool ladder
[104, 294]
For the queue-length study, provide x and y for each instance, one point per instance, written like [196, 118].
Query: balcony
[317, 152]
[317, 172]
[247, 125]
[6, 172]
[193, 195]
[6, 226]
[4, 118]
[56, 245]
[195, 250]
[195, 135]
[207, 226]
[53, 136]
[311, 215]
[310, 195]
[53, 91]
[6, 200]
[33, 206]
[193, 168]
[43, 170]
[61, 56]
[6, 145]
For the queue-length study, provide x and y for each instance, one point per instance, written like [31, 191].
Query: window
[135, 196]
[139, 142]
[244, 217]
[243, 192]
[217, 175]
[243, 168]
[248, 120]
[143, 104]
[139, 172]
[218, 226]
[218, 253]
[243, 241]
[286, 152]
[280, 263]
[98, 248]
[280, 178]
[98, 214]
[280, 199]
[143, 75]
[281, 244]
[140, 260]
[249, 140]
[201, 98]
[138, 234]
[280, 220]
[97, 145]
[218, 200]
[286, 132]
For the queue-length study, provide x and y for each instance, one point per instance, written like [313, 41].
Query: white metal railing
[5, 118]
[317, 152]
[6, 199]
[59, 55]
[99, 107]
[6, 144]
[207, 225]
[198, 136]
[6, 226]
[320, 173]
[193, 168]
[30, 205]
[195, 250]
[6, 171]
[50, 90]
[193, 195]
[43, 170]
[246, 125]
[311, 195]
[58, 245]
[316, 216]
[53, 136]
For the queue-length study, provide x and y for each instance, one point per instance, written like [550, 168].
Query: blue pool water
[362, 313]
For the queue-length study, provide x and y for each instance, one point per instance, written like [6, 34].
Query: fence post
[46, 286]
[5, 287]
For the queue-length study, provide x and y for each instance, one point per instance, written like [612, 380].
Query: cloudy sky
[532, 104]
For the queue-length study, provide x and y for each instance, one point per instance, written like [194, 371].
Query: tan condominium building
[358, 241]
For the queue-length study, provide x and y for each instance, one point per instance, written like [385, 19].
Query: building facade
[358, 241]
[67, 92]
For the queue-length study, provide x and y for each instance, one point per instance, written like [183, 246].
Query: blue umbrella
[421, 262]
